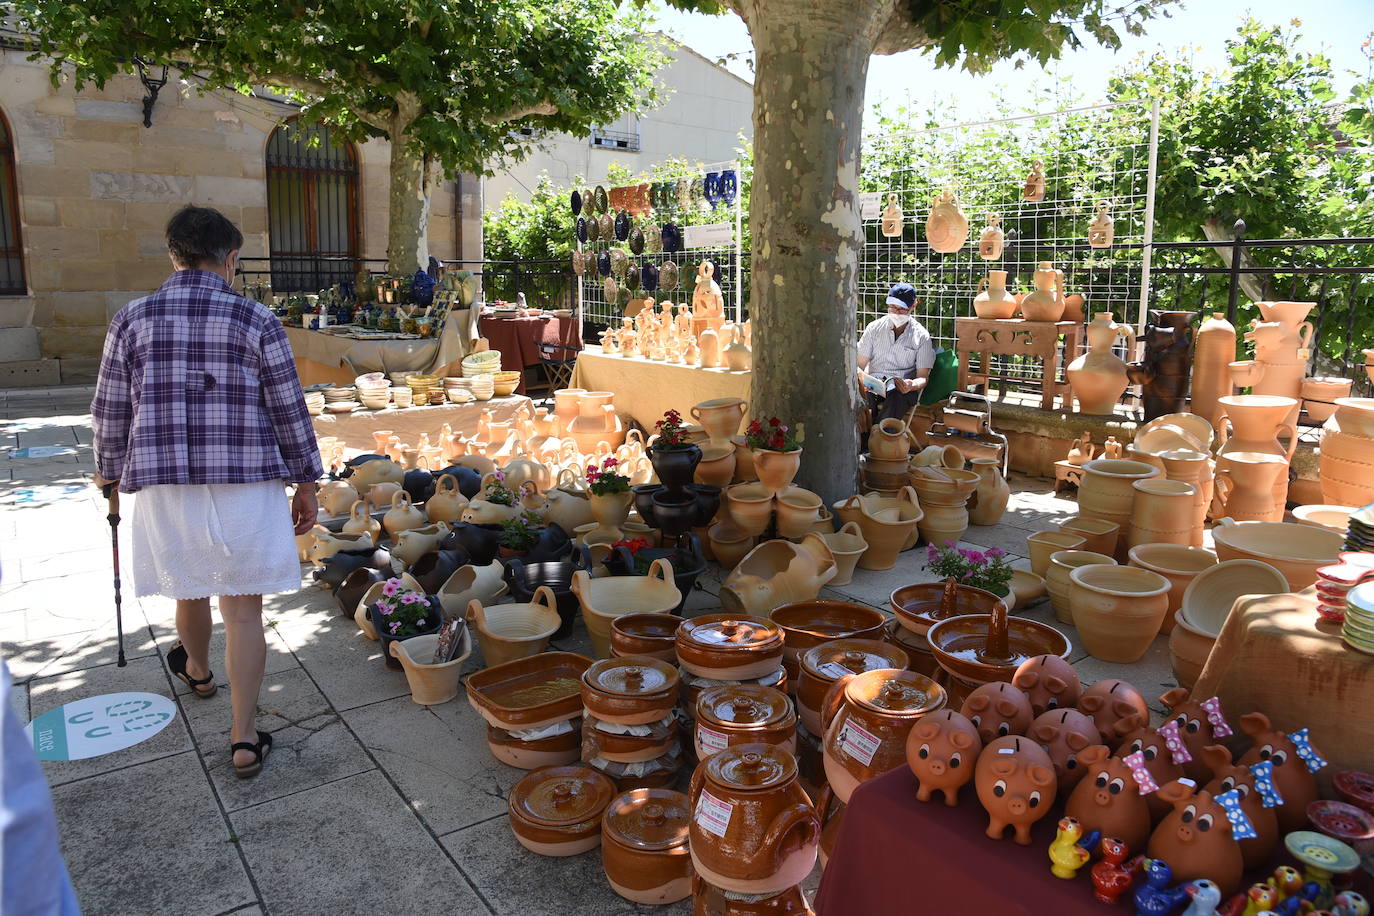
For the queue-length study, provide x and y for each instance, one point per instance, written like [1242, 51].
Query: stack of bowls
[340, 399]
[482, 363]
[505, 383]
[398, 379]
[482, 387]
[420, 386]
[1358, 629]
[458, 390]
[401, 397]
[374, 391]
[314, 402]
[1207, 602]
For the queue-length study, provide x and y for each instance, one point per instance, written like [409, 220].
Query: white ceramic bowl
[1209, 597]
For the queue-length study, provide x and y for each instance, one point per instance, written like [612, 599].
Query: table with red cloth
[518, 339]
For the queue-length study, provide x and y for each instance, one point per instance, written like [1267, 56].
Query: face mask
[899, 321]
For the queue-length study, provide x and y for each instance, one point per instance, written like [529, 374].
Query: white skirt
[203, 540]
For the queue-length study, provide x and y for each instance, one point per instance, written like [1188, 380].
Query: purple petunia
[391, 588]
[996, 552]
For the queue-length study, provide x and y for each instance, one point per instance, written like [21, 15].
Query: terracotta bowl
[1166, 437]
[1246, 372]
[959, 645]
[1179, 564]
[1334, 518]
[806, 624]
[1341, 821]
[1190, 424]
[1188, 652]
[1062, 562]
[1117, 609]
[1356, 788]
[1208, 598]
[919, 606]
[645, 634]
[1297, 551]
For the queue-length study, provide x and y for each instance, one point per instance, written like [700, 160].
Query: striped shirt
[198, 384]
[896, 357]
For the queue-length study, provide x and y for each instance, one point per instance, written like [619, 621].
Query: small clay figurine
[1112, 448]
[1016, 785]
[1197, 836]
[1082, 450]
[1112, 703]
[1199, 724]
[1349, 903]
[941, 750]
[1049, 682]
[1108, 799]
[1063, 733]
[1286, 880]
[998, 709]
[1228, 776]
[1155, 897]
[1034, 188]
[1113, 874]
[1295, 765]
[1101, 232]
[1066, 856]
[892, 217]
[1260, 898]
[707, 301]
[1204, 896]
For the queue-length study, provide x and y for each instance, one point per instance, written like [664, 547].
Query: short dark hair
[197, 236]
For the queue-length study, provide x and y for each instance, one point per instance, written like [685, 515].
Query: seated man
[895, 356]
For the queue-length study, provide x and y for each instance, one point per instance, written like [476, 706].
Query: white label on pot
[859, 742]
[870, 205]
[834, 669]
[713, 814]
[711, 740]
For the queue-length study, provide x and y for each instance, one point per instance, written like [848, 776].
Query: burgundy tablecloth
[518, 339]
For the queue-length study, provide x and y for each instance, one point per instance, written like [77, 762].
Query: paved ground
[369, 802]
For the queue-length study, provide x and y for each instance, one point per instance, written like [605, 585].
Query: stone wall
[96, 189]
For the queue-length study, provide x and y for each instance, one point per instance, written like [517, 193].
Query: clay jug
[1245, 481]
[382, 437]
[889, 439]
[720, 417]
[402, 516]
[946, 226]
[1253, 423]
[892, 217]
[1082, 450]
[1280, 360]
[1213, 352]
[991, 242]
[867, 718]
[1162, 513]
[360, 521]
[1347, 469]
[1106, 491]
[994, 300]
[990, 497]
[738, 356]
[1098, 378]
[1046, 303]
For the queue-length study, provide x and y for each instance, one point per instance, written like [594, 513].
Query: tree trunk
[407, 237]
[804, 214]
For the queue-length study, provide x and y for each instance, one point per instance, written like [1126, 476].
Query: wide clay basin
[1026, 586]
[605, 599]
[1297, 551]
[649, 635]
[1334, 518]
[1178, 563]
[960, 645]
[1208, 599]
[917, 607]
[807, 624]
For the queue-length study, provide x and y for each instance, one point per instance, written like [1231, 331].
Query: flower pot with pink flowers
[401, 612]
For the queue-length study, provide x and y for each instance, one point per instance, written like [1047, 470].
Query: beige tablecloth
[324, 357]
[355, 429]
[645, 388]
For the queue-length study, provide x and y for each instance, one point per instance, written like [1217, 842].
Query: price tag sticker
[834, 669]
[711, 740]
[859, 742]
[713, 815]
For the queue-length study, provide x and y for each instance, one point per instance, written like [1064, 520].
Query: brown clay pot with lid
[807, 624]
[604, 742]
[644, 846]
[753, 829]
[556, 811]
[867, 718]
[825, 664]
[729, 647]
[649, 635]
[559, 749]
[694, 685]
[633, 690]
[734, 714]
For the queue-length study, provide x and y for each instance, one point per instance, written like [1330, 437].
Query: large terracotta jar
[720, 417]
[889, 439]
[1253, 423]
[1162, 513]
[565, 409]
[994, 300]
[1214, 350]
[1098, 377]
[753, 829]
[1246, 484]
[943, 501]
[992, 494]
[644, 846]
[1057, 582]
[776, 469]
[867, 718]
[1117, 609]
[1347, 459]
[596, 422]
[1107, 490]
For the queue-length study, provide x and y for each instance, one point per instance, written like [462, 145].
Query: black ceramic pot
[525, 579]
[419, 485]
[353, 587]
[469, 481]
[675, 466]
[437, 621]
[644, 501]
[708, 503]
[554, 544]
[687, 560]
[434, 568]
[675, 512]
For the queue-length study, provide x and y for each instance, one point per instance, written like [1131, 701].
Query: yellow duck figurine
[1066, 856]
[1287, 881]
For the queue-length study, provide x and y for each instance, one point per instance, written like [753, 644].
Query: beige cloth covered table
[645, 389]
[324, 357]
[355, 429]
[1275, 656]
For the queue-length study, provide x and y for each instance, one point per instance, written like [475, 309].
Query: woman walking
[199, 411]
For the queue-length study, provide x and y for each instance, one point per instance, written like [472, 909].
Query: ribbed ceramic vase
[1106, 491]
[1247, 481]
[1347, 453]
[1162, 513]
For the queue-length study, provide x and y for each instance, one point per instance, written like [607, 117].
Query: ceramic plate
[667, 275]
[1342, 821]
[620, 262]
[631, 279]
[603, 263]
[653, 239]
[605, 226]
[576, 203]
[672, 237]
[649, 276]
[578, 263]
[611, 288]
[1321, 851]
[593, 231]
[637, 240]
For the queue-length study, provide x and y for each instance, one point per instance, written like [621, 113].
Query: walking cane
[111, 492]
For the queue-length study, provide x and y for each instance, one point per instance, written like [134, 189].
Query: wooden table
[645, 389]
[518, 339]
[985, 337]
[324, 357]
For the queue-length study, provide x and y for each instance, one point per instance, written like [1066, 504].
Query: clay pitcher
[1214, 350]
[1346, 468]
[1249, 497]
[1281, 363]
[1046, 303]
[889, 439]
[720, 417]
[1292, 315]
[1082, 450]
[1253, 423]
[990, 497]
[994, 300]
[1098, 378]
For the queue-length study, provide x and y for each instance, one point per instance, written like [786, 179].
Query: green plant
[522, 532]
[987, 569]
[402, 612]
[603, 480]
[672, 433]
[773, 436]
[497, 492]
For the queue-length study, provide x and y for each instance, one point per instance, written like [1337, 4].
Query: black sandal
[176, 663]
[259, 752]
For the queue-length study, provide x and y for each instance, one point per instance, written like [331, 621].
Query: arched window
[312, 207]
[11, 244]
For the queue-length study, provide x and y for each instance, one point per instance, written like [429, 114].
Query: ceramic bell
[993, 239]
[1101, 232]
[892, 218]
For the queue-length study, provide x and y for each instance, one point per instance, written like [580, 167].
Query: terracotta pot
[1106, 491]
[1117, 609]
[796, 510]
[1189, 648]
[561, 748]
[1214, 349]
[720, 417]
[886, 532]
[726, 647]
[989, 500]
[750, 506]
[1162, 513]
[847, 545]
[729, 543]
[1057, 580]
[1296, 551]
[1099, 536]
[636, 690]
[943, 503]
[744, 460]
[1347, 460]
[610, 511]
[1246, 486]
[776, 469]
[867, 718]
[1192, 467]
[712, 901]
[1026, 587]
[918, 607]
[806, 624]
[1320, 393]
[507, 632]
[644, 846]
[360, 613]
[824, 664]
[735, 714]
[648, 635]
[609, 597]
[717, 466]
[884, 475]
[778, 572]
[889, 439]
[430, 684]
[753, 830]
[1208, 599]
[1042, 544]
[993, 299]
[938, 456]
[557, 811]
[1179, 564]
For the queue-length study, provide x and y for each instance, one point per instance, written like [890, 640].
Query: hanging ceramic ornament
[649, 276]
[892, 217]
[653, 239]
[946, 226]
[631, 278]
[579, 263]
[603, 263]
[622, 225]
[583, 230]
[610, 287]
[729, 187]
[710, 189]
[683, 191]
[605, 226]
[637, 240]
[600, 200]
[1034, 188]
[622, 296]
[576, 203]
[698, 192]
[1102, 230]
[620, 262]
[672, 238]
[991, 242]
[667, 275]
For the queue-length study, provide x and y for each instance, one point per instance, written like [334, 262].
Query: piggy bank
[1063, 733]
[1195, 837]
[1110, 703]
[1049, 681]
[1195, 728]
[941, 750]
[1108, 800]
[1293, 780]
[1016, 785]
[998, 710]
[1158, 762]
[1228, 776]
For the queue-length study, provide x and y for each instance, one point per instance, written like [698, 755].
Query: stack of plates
[374, 391]
[1335, 582]
[1360, 535]
[459, 390]
[1358, 629]
[343, 393]
[505, 383]
[314, 402]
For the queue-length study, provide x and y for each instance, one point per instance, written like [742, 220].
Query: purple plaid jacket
[198, 385]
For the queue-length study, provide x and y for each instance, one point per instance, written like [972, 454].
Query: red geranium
[776, 436]
[672, 432]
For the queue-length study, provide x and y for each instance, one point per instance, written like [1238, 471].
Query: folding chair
[558, 362]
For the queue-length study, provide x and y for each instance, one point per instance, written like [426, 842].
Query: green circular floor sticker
[99, 725]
